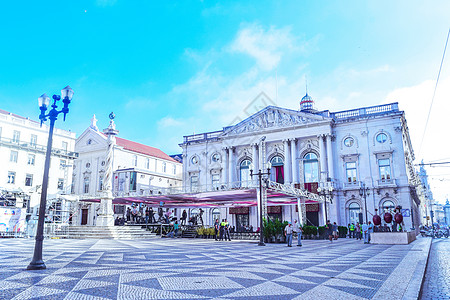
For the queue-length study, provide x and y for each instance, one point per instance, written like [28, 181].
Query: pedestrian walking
[335, 231]
[175, 228]
[365, 231]
[299, 230]
[227, 230]
[329, 231]
[358, 231]
[371, 228]
[221, 229]
[151, 214]
[128, 215]
[183, 217]
[216, 228]
[200, 215]
[351, 230]
[288, 233]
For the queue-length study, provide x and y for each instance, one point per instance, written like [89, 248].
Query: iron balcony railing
[40, 148]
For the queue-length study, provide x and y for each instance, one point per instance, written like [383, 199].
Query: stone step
[99, 232]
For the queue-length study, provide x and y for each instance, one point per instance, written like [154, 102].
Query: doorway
[84, 216]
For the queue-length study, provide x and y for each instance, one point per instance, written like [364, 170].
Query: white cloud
[265, 46]
[170, 122]
[415, 101]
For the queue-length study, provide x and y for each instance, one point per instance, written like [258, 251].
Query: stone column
[294, 162]
[330, 157]
[255, 162]
[106, 213]
[287, 162]
[323, 170]
[230, 166]
[225, 166]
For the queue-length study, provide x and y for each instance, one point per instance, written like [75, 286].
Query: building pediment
[271, 118]
[89, 140]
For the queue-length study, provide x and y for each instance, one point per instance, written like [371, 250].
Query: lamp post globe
[37, 262]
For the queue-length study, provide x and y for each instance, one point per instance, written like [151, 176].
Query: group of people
[223, 229]
[291, 230]
[360, 231]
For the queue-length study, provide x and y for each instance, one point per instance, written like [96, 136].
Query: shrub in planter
[321, 230]
[342, 231]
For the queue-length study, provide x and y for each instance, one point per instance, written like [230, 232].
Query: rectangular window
[62, 163]
[60, 184]
[164, 167]
[147, 163]
[33, 140]
[385, 168]
[174, 169]
[86, 185]
[133, 177]
[11, 177]
[16, 136]
[64, 146]
[194, 183]
[215, 180]
[13, 156]
[0, 132]
[100, 183]
[135, 160]
[31, 159]
[351, 171]
[28, 180]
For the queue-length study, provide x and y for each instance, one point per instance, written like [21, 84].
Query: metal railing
[365, 111]
[36, 147]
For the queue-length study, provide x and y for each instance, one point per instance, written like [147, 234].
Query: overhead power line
[434, 93]
[432, 164]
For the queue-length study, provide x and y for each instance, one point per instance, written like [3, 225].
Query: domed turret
[307, 103]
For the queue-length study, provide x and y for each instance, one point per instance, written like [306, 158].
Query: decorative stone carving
[271, 118]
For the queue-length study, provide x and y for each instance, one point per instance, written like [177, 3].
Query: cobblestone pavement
[205, 269]
[437, 277]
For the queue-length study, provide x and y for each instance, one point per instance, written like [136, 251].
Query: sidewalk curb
[414, 290]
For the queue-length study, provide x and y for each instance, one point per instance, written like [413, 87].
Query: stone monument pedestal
[106, 214]
[393, 238]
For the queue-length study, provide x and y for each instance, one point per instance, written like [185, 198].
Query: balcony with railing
[202, 136]
[387, 182]
[365, 111]
[35, 147]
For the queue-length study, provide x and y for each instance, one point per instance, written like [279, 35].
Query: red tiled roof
[16, 116]
[143, 149]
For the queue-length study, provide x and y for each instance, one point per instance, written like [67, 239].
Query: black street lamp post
[364, 192]
[261, 223]
[66, 94]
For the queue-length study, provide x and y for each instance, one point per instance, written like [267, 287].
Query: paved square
[205, 269]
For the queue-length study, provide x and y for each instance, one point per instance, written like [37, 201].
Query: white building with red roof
[137, 168]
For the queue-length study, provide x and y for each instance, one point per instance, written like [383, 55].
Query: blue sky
[169, 69]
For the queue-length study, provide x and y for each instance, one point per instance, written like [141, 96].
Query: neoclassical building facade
[364, 156]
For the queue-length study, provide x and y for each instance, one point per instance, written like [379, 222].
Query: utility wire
[432, 164]
[434, 93]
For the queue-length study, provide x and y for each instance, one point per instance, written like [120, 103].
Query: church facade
[136, 168]
[363, 157]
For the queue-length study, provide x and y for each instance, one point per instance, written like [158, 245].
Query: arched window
[354, 209]
[215, 214]
[194, 212]
[277, 171]
[310, 167]
[388, 205]
[244, 172]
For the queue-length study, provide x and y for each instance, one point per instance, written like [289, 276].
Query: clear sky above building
[169, 69]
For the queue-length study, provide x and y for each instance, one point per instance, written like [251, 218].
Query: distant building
[23, 144]
[137, 169]
[308, 148]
